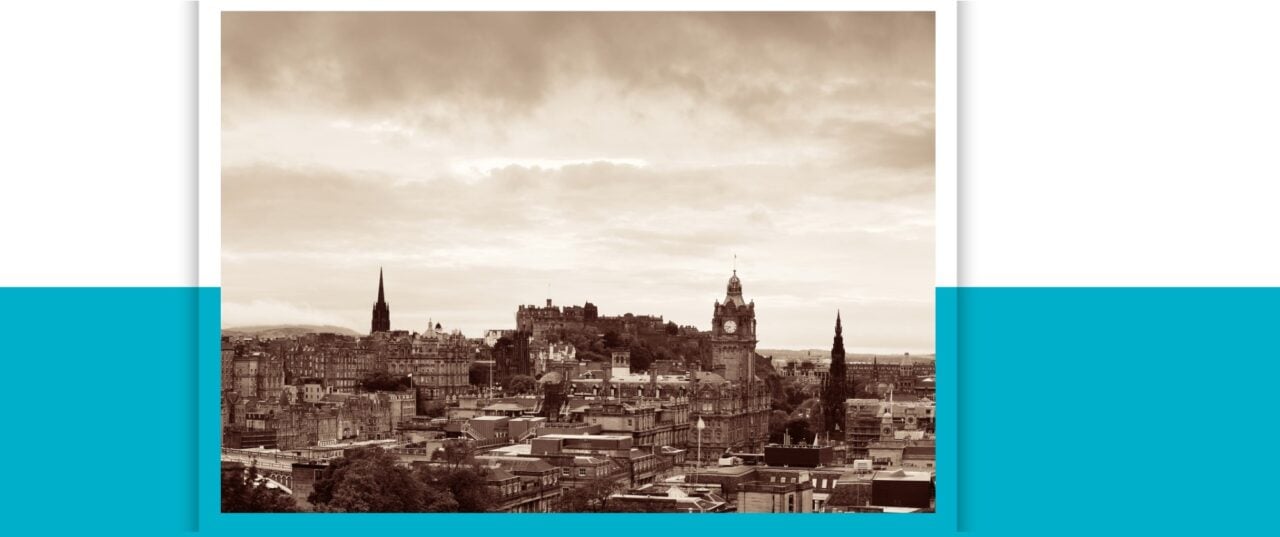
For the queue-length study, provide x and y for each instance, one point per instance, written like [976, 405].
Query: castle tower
[381, 312]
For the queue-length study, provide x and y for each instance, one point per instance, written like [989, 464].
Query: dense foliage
[590, 497]
[241, 495]
[435, 409]
[369, 480]
[382, 381]
[520, 384]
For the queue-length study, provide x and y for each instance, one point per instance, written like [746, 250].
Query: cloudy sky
[489, 160]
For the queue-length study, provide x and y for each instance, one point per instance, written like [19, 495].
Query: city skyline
[420, 325]
[492, 160]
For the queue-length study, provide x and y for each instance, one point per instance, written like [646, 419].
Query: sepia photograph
[568, 262]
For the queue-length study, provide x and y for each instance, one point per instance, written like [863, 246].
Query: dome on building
[733, 294]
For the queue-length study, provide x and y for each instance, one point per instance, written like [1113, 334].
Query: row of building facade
[591, 421]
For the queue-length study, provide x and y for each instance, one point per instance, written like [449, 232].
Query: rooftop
[903, 475]
[586, 436]
[505, 407]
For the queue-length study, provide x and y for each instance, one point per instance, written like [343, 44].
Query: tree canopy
[591, 497]
[479, 374]
[799, 430]
[382, 381]
[240, 494]
[521, 384]
[435, 409]
[370, 480]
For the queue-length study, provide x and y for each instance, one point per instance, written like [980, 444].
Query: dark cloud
[754, 64]
[493, 159]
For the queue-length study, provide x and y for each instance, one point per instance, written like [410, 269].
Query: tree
[799, 430]
[591, 497]
[370, 480]
[503, 353]
[612, 340]
[479, 374]
[777, 425]
[382, 381]
[811, 410]
[850, 496]
[795, 394]
[435, 409]
[521, 384]
[640, 358]
[691, 351]
[777, 391]
[240, 493]
[591, 356]
[553, 399]
[623, 506]
[465, 484]
[672, 328]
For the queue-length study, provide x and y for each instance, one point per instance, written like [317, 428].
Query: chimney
[548, 302]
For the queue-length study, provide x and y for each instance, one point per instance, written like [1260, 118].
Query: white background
[1101, 143]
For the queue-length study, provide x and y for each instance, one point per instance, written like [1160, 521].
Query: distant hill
[287, 330]
[824, 355]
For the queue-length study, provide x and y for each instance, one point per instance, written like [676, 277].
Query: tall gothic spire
[835, 392]
[381, 296]
[837, 348]
[381, 312]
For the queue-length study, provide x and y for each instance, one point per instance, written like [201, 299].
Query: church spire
[381, 296]
[381, 312]
[839, 331]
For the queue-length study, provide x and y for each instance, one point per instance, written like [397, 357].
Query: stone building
[439, 364]
[733, 402]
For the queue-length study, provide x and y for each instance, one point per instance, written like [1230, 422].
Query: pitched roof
[498, 474]
[707, 376]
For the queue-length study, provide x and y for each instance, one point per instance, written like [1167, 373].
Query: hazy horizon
[488, 160]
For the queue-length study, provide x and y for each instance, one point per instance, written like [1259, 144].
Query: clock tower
[733, 335]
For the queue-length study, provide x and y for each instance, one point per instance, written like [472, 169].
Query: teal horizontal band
[1074, 411]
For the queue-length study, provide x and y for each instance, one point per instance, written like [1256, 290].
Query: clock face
[730, 327]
